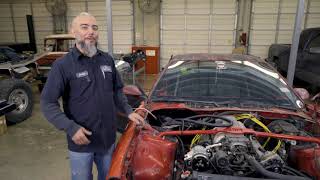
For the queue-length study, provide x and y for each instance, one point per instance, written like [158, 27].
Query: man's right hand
[80, 137]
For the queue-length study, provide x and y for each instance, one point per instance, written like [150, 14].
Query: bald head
[85, 29]
[75, 21]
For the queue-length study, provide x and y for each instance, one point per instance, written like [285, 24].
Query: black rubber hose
[294, 171]
[230, 123]
[209, 115]
[260, 169]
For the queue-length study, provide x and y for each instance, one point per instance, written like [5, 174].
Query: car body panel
[48, 58]
[55, 46]
[147, 152]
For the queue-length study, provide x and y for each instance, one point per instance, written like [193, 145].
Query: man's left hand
[135, 117]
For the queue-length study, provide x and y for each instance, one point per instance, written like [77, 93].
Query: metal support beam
[133, 22]
[295, 42]
[210, 26]
[185, 26]
[250, 29]
[307, 14]
[86, 6]
[109, 26]
[13, 23]
[278, 22]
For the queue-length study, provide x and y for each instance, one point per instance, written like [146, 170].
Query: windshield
[224, 83]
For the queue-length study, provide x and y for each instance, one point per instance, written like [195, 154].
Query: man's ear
[71, 31]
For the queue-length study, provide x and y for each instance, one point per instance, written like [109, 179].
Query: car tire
[18, 92]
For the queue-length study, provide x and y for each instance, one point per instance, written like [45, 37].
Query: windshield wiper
[245, 103]
[183, 100]
[267, 105]
[284, 107]
[229, 103]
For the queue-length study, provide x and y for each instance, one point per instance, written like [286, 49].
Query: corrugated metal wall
[14, 25]
[21, 28]
[272, 21]
[186, 25]
[312, 14]
[6, 28]
[122, 19]
[189, 26]
[43, 23]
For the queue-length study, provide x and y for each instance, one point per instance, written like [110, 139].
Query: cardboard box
[3, 125]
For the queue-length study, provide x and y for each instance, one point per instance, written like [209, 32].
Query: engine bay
[205, 149]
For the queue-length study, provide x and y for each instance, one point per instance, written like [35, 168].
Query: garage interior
[34, 149]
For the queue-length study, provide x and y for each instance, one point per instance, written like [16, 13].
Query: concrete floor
[35, 150]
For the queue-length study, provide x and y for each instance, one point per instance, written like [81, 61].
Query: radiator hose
[260, 169]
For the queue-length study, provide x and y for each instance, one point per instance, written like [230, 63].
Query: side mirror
[314, 50]
[135, 96]
[316, 97]
[132, 90]
[302, 93]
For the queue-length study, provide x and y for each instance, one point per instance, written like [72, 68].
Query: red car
[220, 117]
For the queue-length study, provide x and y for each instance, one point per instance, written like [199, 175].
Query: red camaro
[220, 117]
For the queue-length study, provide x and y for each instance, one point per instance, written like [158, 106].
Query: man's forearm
[54, 115]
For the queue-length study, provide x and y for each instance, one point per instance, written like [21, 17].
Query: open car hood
[162, 150]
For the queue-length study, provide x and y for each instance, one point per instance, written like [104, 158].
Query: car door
[309, 66]
[3, 58]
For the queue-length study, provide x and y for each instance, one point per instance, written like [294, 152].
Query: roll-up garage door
[7, 27]
[197, 26]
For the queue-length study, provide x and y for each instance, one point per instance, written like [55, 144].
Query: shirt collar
[77, 54]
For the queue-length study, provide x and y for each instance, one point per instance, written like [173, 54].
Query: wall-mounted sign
[150, 52]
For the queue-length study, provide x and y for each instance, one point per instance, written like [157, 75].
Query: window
[3, 58]
[315, 42]
[219, 81]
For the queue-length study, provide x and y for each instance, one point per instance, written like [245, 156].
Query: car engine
[227, 154]
[233, 154]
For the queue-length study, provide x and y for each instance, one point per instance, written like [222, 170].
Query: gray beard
[88, 49]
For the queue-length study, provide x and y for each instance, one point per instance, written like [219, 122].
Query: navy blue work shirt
[91, 90]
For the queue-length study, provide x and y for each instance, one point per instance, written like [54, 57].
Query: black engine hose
[260, 169]
[211, 116]
[229, 122]
[287, 168]
[208, 115]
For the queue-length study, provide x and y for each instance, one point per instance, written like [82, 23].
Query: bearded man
[91, 90]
